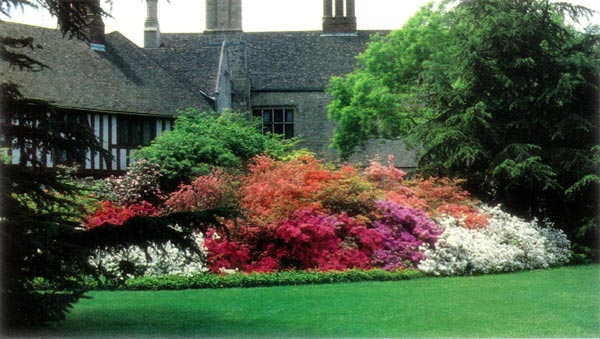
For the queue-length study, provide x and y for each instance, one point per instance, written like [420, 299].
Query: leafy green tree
[202, 140]
[502, 93]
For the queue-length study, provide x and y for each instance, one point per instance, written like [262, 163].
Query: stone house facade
[270, 73]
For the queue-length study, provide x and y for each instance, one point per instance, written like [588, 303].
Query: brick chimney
[95, 27]
[151, 27]
[223, 16]
[344, 18]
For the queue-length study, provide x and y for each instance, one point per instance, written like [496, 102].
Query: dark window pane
[267, 129]
[278, 115]
[257, 112]
[134, 131]
[289, 115]
[267, 116]
[289, 131]
[137, 135]
[278, 129]
[147, 133]
[123, 131]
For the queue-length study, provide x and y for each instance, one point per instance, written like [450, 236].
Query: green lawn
[562, 302]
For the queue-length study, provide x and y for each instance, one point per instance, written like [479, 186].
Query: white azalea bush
[508, 243]
[159, 259]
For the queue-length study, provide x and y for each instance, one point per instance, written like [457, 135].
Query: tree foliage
[39, 212]
[502, 93]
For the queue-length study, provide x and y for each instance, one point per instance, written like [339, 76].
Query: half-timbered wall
[105, 127]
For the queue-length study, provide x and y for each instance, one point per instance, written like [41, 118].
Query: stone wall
[312, 126]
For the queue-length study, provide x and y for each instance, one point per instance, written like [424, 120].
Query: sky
[182, 16]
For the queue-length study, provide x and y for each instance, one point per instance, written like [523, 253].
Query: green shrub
[202, 140]
[240, 280]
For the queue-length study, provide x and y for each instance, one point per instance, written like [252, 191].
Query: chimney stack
[344, 18]
[95, 27]
[223, 16]
[151, 27]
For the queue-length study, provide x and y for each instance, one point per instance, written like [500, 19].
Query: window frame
[279, 121]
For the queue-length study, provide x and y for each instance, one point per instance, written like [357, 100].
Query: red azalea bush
[111, 213]
[310, 239]
[314, 240]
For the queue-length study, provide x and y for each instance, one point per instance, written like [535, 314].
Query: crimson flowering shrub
[314, 240]
[403, 230]
[108, 212]
[223, 253]
[310, 239]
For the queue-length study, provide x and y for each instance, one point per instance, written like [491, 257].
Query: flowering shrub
[308, 240]
[326, 242]
[347, 192]
[157, 260]
[139, 183]
[469, 216]
[113, 214]
[388, 177]
[506, 244]
[303, 214]
[274, 190]
[206, 192]
[404, 230]
[223, 253]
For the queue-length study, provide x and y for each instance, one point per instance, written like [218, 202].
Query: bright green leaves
[201, 141]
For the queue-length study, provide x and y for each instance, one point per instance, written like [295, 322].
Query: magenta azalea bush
[403, 230]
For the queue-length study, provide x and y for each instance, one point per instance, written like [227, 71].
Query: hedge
[286, 278]
[244, 280]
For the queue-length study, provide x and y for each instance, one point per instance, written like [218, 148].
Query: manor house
[129, 95]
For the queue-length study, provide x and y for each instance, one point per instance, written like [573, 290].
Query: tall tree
[41, 214]
[36, 216]
[502, 93]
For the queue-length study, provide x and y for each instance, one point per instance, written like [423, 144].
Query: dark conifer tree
[40, 221]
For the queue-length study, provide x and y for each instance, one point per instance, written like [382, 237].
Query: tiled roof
[284, 61]
[194, 68]
[277, 61]
[122, 79]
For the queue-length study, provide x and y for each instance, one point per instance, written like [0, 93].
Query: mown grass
[563, 302]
